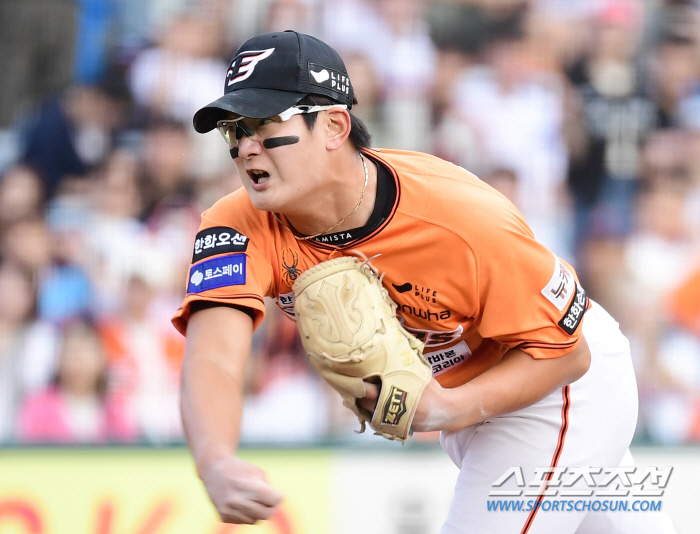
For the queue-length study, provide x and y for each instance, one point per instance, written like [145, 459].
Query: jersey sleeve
[228, 266]
[527, 297]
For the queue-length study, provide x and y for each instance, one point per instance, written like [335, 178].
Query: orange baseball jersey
[465, 270]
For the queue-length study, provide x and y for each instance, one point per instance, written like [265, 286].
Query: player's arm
[218, 346]
[517, 381]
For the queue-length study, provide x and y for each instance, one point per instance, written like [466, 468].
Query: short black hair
[359, 134]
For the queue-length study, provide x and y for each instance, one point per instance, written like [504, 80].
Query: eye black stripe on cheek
[233, 152]
[273, 142]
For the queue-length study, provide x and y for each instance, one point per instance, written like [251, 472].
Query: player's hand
[430, 413]
[240, 491]
[369, 401]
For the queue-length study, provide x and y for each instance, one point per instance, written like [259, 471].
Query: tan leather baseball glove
[349, 329]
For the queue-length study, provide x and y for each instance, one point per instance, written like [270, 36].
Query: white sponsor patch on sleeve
[561, 287]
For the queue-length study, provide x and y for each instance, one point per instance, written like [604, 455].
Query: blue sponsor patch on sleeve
[229, 270]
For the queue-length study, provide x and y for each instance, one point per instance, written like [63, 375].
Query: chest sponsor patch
[572, 318]
[433, 338]
[218, 240]
[443, 360]
[561, 286]
[229, 270]
[285, 302]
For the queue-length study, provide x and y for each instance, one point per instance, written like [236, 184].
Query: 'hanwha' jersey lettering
[469, 292]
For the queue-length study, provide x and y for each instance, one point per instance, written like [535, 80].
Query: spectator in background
[161, 77]
[166, 161]
[462, 33]
[561, 30]
[614, 117]
[27, 242]
[114, 239]
[684, 304]
[21, 195]
[462, 26]
[285, 401]
[117, 243]
[510, 109]
[395, 35]
[146, 358]
[284, 14]
[676, 74]
[169, 231]
[659, 256]
[95, 26]
[503, 180]
[27, 345]
[37, 39]
[368, 88]
[451, 62]
[684, 311]
[65, 290]
[78, 407]
[74, 132]
[24, 236]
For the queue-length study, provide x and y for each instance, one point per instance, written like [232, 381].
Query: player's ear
[338, 126]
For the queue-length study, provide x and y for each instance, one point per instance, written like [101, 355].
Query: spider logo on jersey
[292, 271]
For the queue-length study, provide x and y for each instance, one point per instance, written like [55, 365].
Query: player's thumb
[369, 401]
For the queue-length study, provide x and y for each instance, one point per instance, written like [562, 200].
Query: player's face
[278, 159]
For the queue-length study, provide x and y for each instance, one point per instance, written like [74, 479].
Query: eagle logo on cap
[247, 61]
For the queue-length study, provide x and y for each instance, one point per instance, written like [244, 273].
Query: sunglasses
[234, 129]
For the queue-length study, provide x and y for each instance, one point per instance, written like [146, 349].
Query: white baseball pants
[589, 423]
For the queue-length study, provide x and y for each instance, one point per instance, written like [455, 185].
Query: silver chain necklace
[362, 195]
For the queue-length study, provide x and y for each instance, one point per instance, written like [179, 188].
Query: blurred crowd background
[586, 113]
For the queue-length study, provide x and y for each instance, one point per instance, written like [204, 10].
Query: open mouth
[258, 176]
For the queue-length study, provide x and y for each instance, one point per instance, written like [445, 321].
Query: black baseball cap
[272, 72]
